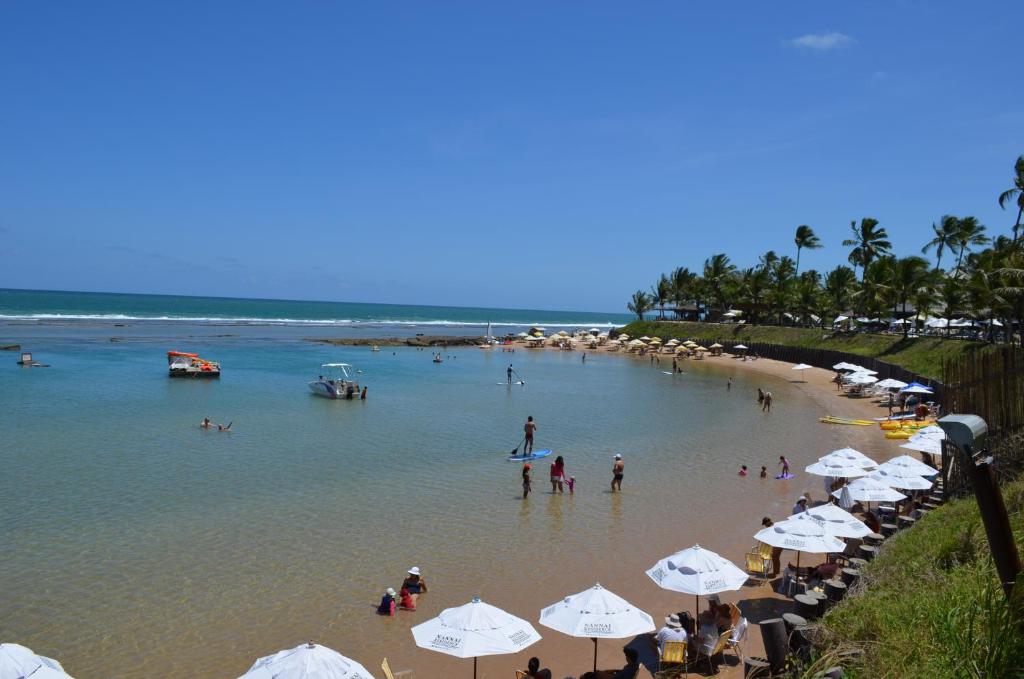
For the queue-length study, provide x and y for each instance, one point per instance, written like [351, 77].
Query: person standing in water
[785, 465]
[767, 407]
[526, 480]
[528, 428]
[617, 470]
[728, 385]
[557, 475]
[509, 373]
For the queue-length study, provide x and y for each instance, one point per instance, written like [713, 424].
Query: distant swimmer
[528, 428]
[205, 424]
[225, 427]
[743, 470]
[617, 471]
[509, 373]
[764, 472]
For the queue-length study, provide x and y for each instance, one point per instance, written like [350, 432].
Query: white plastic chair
[739, 634]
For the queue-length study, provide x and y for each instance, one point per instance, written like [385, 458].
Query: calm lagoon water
[137, 545]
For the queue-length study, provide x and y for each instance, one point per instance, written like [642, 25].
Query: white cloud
[822, 41]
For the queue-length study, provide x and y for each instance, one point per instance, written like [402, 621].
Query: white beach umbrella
[890, 383]
[306, 661]
[18, 662]
[473, 630]
[800, 535]
[901, 478]
[596, 613]
[866, 371]
[933, 431]
[697, 571]
[838, 467]
[843, 365]
[872, 490]
[739, 346]
[908, 464]
[838, 521]
[925, 444]
[802, 366]
[594, 330]
[672, 341]
[916, 389]
[850, 454]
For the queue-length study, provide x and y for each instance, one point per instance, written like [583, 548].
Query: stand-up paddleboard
[508, 384]
[665, 372]
[535, 455]
[784, 477]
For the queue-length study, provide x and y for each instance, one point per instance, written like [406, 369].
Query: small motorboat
[181, 364]
[337, 384]
[375, 348]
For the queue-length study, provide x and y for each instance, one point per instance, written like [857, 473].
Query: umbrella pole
[474, 667]
[594, 639]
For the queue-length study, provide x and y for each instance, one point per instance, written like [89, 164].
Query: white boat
[337, 383]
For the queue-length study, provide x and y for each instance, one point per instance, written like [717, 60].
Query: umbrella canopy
[838, 521]
[697, 571]
[840, 319]
[16, 661]
[596, 612]
[716, 345]
[909, 464]
[655, 340]
[916, 390]
[802, 366]
[860, 378]
[306, 661]
[866, 371]
[475, 629]
[933, 431]
[701, 349]
[850, 454]
[672, 341]
[645, 338]
[521, 334]
[802, 535]
[924, 444]
[739, 346]
[872, 490]
[843, 365]
[901, 478]
[890, 383]
[838, 467]
[594, 330]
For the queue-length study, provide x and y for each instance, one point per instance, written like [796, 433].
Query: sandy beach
[729, 533]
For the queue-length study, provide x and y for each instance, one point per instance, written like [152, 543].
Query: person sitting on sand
[533, 670]
[405, 600]
[629, 671]
[415, 583]
[743, 470]
[205, 424]
[387, 603]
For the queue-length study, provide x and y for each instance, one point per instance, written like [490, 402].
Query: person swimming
[205, 424]
[764, 472]
[225, 427]
[743, 470]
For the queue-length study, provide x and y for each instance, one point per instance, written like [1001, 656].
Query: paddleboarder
[509, 373]
[529, 428]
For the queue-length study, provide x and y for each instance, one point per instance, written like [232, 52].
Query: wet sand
[730, 533]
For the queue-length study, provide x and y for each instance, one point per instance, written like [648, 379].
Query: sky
[526, 155]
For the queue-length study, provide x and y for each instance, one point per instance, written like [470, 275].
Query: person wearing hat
[800, 506]
[617, 473]
[387, 603]
[414, 583]
[672, 631]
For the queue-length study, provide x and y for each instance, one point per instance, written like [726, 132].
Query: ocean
[136, 545]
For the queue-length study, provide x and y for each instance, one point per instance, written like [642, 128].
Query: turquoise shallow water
[137, 545]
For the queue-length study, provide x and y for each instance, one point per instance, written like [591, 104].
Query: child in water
[743, 470]
[387, 603]
[785, 466]
[406, 603]
[526, 480]
[571, 483]
[764, 472]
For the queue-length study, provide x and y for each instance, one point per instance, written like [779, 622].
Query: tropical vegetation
[984, 281]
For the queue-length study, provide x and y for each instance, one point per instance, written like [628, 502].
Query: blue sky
[535, 155]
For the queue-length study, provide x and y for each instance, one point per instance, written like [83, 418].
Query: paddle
[515, 451]
[521, 380]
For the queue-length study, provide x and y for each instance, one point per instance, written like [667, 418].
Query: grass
[930, 604]
[923, 356]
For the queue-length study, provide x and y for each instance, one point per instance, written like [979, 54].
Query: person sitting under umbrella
[533, 670]
[672, 631]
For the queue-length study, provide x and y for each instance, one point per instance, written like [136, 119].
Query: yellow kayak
[894, 425]
[902, 434]
[831, 419]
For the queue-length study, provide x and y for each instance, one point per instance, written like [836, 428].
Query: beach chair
[521, 674]
[758, 565]
[388, 674]
[672, 656]
[710, 652]
[739, 634]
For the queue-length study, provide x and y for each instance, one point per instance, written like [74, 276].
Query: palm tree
[805, 238]
[870, 242]
[1017, 192]
[661, 292]
[839, 285]
[717, 271]
[640, 304]
[908, 276]
[944, 238]
[782, 285]
[968, 232]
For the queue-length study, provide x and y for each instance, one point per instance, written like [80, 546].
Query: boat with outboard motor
[337, 384]
[181, 364]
